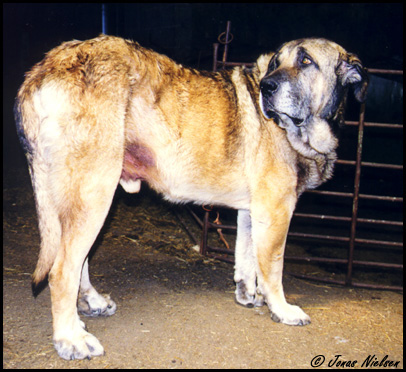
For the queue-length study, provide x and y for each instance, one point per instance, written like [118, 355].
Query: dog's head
[304, 90]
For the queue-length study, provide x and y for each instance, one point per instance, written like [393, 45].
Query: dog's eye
[305, 61]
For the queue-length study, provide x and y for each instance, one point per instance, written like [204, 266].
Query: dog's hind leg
[87, 194]
[75, 147]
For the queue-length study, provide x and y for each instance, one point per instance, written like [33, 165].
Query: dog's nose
[268, 86]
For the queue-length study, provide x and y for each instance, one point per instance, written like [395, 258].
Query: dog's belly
[202, 194]
[180, 178]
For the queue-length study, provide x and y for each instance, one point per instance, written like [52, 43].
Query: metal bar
[215, 54]
[346, 239]
[345, 162]
[377, 286]
[383, 198]
[104, 19]
[343, 261]
[347, 219]
[381, 222]
[361, 196]
[379, 242]
[317, 279]
[203, 245]
[383, 71]
[386, 126]
[220, 250]
[195, 216]
[357, 181]
[332, 193]
[354, 284]
[318, 236]
[184, 225]
[369, 164]
[221, 258]
[231, 64]
[225, 53]
[376, 125]
[220, 226]
[381, 165]
[322, 217]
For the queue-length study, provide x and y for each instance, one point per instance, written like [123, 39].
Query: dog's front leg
[90, 302]
[270, 225]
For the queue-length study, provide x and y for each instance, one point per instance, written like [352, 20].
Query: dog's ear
[263, 63]
[351, 73]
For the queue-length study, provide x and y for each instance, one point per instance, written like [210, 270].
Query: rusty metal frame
[351, 240]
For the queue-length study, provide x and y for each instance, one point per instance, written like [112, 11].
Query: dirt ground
[175, 308]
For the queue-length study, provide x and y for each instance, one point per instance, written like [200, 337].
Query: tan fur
[105, 111]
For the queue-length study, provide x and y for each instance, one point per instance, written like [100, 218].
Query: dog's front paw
[243, 297]
[82, 345]
[92, 303]
[289, 314]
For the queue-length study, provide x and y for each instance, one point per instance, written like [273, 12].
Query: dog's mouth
[280, 116]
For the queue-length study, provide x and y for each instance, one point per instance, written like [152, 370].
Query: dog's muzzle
[269, 86]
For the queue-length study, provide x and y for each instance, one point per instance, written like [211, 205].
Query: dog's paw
[94, 304]
[82, 345]
[289, 314]
[242, 297]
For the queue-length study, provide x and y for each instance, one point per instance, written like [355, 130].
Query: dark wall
[186, 33]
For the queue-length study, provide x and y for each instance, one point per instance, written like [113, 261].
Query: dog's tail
[40, 274]
[45, 262]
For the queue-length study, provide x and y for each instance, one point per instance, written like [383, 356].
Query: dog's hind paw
[83, 345]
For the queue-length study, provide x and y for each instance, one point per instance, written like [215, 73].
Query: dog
[105, 111]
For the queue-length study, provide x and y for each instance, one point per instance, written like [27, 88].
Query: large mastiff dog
[105, 111]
